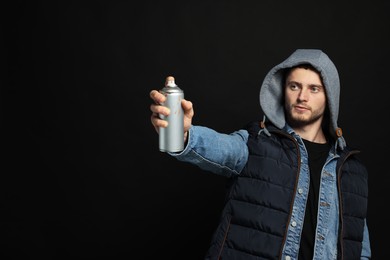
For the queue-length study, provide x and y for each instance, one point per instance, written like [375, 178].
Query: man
[297, 190]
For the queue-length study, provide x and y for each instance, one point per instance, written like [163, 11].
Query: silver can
[171, 138]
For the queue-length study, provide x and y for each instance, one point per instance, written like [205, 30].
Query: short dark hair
[306, 66]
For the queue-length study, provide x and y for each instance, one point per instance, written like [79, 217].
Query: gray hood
[271, 92]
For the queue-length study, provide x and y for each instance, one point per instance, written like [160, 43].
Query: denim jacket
[226, 155]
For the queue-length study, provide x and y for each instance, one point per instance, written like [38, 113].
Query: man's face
[305, 98]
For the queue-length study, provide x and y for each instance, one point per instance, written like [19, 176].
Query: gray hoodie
[271, 92]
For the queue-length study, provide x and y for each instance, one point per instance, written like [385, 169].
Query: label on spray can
[171, 138]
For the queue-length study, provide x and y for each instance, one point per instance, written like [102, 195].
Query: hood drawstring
[341, 143]
[263, 128]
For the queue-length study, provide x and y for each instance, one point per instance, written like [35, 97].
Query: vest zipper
[340, 200]
[295, 186]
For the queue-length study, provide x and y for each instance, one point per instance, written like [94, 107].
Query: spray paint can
[171, 138]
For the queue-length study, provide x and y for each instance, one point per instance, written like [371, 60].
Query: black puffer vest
[259, 202]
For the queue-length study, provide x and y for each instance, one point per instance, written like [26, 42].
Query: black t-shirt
[317, 157]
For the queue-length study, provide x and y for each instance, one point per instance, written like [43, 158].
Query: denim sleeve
[223, 154]
[366, 248]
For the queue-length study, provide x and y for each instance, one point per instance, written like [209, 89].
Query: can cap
[170, 81]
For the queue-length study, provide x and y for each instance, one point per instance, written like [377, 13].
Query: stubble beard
[297, 120]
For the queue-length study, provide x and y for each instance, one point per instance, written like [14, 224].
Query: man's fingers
[157, 121]
[157, 96]
[158, 109]
[186, 104]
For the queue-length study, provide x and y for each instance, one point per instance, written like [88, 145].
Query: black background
[82, 176]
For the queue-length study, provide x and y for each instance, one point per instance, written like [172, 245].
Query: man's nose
[303, 95]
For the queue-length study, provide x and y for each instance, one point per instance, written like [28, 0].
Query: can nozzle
[170, 82]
